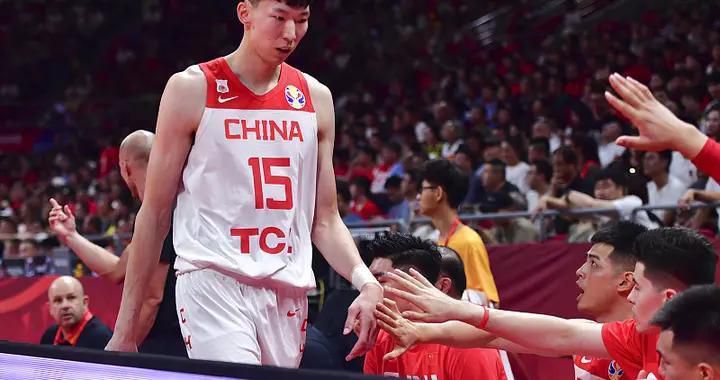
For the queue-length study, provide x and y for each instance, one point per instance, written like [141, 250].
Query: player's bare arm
[330, 234]
[539, 333]
[180, 111]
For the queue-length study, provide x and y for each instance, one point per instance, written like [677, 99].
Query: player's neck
[259, 76]
[443, 219]
[620, 311]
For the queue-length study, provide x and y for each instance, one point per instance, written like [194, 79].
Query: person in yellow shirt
[443, 189]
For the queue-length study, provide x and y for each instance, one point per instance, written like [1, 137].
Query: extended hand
[405, 333]
[362, 313]
[435, 306]
[61, 220]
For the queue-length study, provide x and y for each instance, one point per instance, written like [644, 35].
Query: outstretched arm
[179, 114]
[331, 235]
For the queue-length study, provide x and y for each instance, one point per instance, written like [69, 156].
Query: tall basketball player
[249, 139]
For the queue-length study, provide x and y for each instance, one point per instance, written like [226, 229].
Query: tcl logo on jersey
[263, 130]
[270, 240]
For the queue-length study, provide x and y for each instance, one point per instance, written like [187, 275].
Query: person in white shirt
[663, 188]
[709, 195]
[539, 177]
[450, 134]
[608, 150]
[610, 192]
[516, 170]
[545, 128]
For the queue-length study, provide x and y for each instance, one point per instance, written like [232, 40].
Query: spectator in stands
[689, 344]
[389, 166]
[662, 189]
[566, 173]
[361, 203]
[608, 151]
[399, 205]
[538, 149]
[516, 169]
[545, 128]
[464, 161]
[586, 149]
[711, 125]
[344, 199]
[398, 251]
[713, 87]
[442, 191]
[514, 230]
[28, 248]
[610, 192]
[539, 177]
[75, 324]
[495, 186]
[452, 139]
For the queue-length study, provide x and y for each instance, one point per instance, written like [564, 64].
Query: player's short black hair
[693, 316]
[615, 174]
[621, 236]
[445, 174]
[293, 3]
[678, 254]
[545, 168]
[567, 154]
[451, 265]
[393, 182]
[405, 251]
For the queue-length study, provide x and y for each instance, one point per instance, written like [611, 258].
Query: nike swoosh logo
[223, 100]
[585, 360]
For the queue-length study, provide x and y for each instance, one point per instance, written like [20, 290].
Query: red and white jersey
[587, 368]
[248, 191]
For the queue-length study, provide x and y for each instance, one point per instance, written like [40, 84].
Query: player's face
[598, 281]
[674, 365]
[645, 298]
[275, 28]
[379, 268]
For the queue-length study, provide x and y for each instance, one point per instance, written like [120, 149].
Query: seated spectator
[398, 251]
[516, 169]
[28, 248]
[566, 177]
[610, 192]
[545, 128]
[399, 205]
[389, 166]
[344, 198]
[539, 177]
[361, 204]
[514, 230]
[492, 151]
[663, 188]
[586, 149]
[538, 149]
[608, 151]
[451, 136]
[75, 324]
[363, 164]
[496, 186]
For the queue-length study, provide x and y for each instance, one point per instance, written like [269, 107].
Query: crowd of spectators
[525, 119]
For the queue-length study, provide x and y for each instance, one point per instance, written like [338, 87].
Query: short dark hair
[451, 265]
[676, 253]
[445, 174]
[567, 154]
[621, 236]
[667, 156]
[404, 250]
[615, 174]
[498, 165]
[361, 182]
[542, 143]
[545, 168]
[693, 316]
[343, 189]
[291, 3]
[393, 182]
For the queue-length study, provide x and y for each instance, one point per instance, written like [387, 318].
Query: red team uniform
[632, 350]
[434, 362]
[587, 368]
[243, 221]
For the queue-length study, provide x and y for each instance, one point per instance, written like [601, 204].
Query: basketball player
[159, 330]
[604, 286]
[249, 139]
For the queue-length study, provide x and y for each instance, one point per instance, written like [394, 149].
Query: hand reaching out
[404, 332]
[435, 305]
[61, 220]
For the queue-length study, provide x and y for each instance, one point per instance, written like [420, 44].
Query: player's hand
[659, 128]
[117, 343]
[61, 220]
[435, 305]
[362, 313]
[404, 332]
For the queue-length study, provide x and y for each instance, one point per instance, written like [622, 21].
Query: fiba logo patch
[222, 86]
[614, 371]
[294, 97]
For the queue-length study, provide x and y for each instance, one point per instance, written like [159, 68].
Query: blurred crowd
[524, 119]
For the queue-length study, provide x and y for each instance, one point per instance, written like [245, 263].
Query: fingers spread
[419, 277]
[621, 106]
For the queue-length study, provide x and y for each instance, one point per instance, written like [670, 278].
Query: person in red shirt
[424, 361]
[669, 261]
[361, 204]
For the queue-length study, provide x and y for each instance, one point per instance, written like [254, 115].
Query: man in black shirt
[160, 332]
[76, 326]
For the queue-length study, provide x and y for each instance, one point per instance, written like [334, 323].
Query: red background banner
[534, 277]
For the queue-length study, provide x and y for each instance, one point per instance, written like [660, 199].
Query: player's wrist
[362, 279]
[471, 314]
[69, 238]
[693, 141]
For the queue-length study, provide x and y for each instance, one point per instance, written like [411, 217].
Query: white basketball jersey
[248, 188]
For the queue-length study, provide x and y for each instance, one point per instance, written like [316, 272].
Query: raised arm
[180, 110]
[330, 234]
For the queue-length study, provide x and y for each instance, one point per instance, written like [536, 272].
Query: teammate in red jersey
[249, 139]
[669, 261]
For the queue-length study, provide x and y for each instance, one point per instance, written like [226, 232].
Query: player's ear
[243, 11]
[626, 283]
